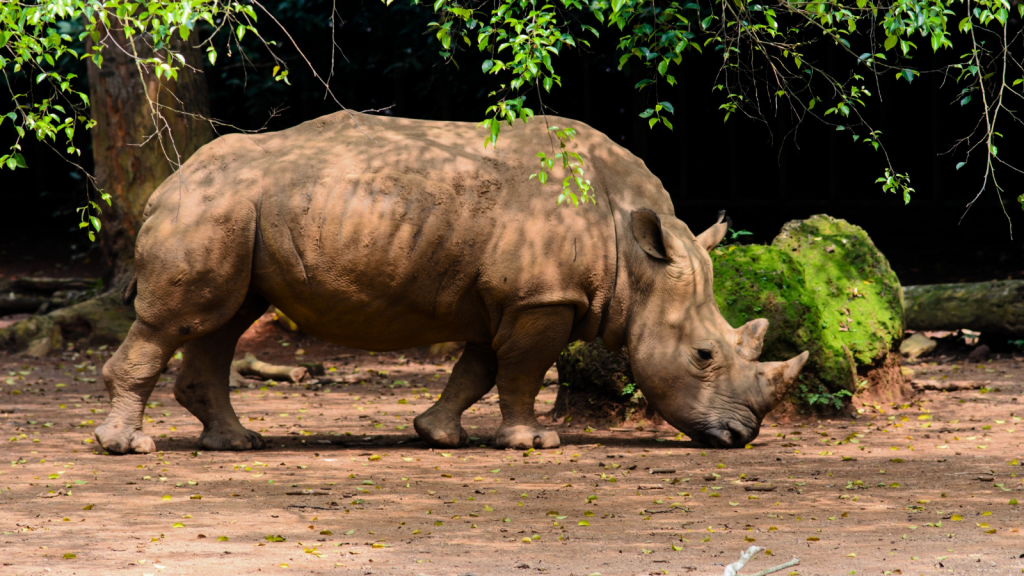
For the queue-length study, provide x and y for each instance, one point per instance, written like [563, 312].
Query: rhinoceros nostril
[739, 431]
[719, 438]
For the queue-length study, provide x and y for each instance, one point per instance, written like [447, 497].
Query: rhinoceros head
[700, 373]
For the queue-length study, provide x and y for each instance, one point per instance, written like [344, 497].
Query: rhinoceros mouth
[731, 434]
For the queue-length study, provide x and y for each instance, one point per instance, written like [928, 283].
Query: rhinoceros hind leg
[202, 385]
[526, 348]
[130, 375]
[472, 377]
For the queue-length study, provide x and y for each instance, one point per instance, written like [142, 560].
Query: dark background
[387, 58]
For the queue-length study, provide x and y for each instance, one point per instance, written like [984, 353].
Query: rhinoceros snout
[732, 434]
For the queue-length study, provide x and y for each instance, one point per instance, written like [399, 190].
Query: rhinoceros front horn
[779, 377]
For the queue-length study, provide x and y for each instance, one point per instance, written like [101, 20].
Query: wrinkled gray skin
[385, 233]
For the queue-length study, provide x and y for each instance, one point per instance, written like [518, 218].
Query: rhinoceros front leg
[472, 377]
[202, 384]
[526, 349]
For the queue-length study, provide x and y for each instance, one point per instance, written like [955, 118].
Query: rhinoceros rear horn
[779, 377]
[750, 339]
[713, 235]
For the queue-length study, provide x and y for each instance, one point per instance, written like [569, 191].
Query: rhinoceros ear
[713, 235]
[648, 233]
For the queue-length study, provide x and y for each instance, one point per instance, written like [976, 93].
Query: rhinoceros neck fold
[615, 319]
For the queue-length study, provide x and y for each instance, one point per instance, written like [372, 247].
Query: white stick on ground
[774, 569]
[735, 567]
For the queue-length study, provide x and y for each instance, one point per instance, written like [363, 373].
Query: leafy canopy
[763, 46]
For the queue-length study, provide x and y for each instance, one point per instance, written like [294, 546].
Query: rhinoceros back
[382, 232]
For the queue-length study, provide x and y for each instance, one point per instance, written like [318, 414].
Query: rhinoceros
[384, 233]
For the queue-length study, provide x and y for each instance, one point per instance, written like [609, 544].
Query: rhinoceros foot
[231, 439]
[525, 437]
[441, 429]
[117, 438]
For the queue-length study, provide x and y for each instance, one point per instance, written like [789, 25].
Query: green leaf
[668, 107]
[965, 100]
[908, 74]
[960, 165]
[487, 65]
[95, 222]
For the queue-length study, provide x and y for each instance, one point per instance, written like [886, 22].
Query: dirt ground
[927, 487]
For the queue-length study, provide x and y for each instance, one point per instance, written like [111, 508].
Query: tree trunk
[141, 137]
[146, 127]
[987, 307]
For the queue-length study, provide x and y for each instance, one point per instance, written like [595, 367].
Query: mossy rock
[823, 286]
[609, 393]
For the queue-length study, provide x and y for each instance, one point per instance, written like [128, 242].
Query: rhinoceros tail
[130, 290]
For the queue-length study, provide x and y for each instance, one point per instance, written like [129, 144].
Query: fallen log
[250, 366]
[50, 285]
[950, 385]
[987, 307]
[12, 303]
[39, 295]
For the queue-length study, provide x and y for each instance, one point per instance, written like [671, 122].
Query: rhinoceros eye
[704, 354]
